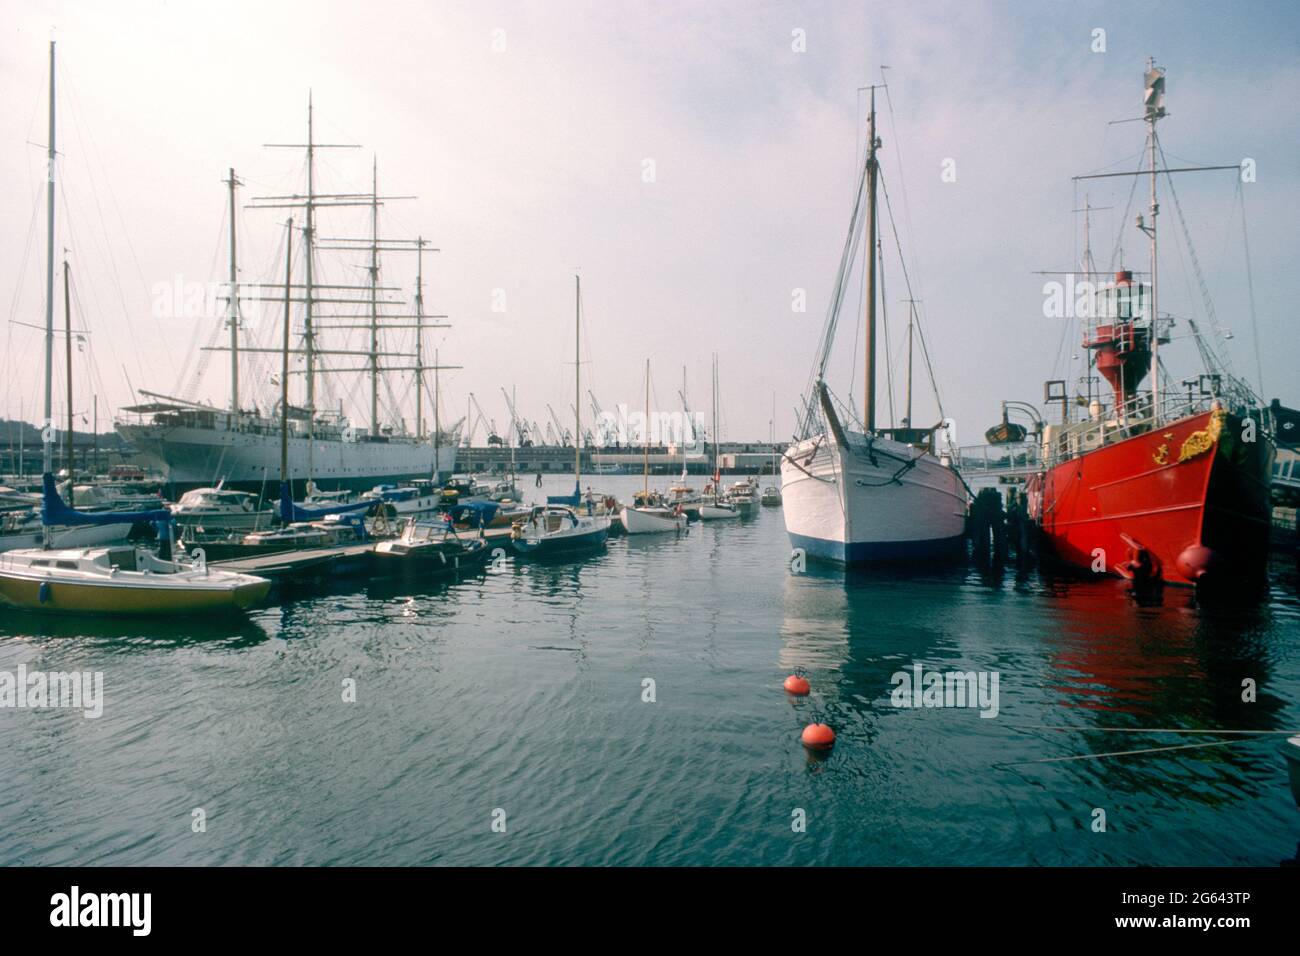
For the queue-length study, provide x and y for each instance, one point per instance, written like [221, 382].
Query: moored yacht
[870, 493]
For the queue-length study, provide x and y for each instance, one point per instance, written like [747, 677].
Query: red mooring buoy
[817, 737]
[794, 684]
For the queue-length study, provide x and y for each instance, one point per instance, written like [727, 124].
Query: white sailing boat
[716, 507]
[650, 516]
[559, 525]
[853, 496]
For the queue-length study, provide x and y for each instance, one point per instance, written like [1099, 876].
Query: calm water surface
[521, 690]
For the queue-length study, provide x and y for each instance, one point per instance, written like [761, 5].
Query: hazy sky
[529, 132]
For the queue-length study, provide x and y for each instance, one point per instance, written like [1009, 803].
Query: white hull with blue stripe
[875, 500]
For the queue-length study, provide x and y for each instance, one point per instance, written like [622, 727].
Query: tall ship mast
[199, 444]
[1158, 485]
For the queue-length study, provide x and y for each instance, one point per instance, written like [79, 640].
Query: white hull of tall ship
[651, 520]
[877, 502]
[191, 456]
[30, 535]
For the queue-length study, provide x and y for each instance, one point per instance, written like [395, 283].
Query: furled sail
[572, 500]
[291, 512]
[54, 511]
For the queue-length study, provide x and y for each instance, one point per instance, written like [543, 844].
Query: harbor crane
[588, 438]
[517, 424]
[476, 416]
[561, 433]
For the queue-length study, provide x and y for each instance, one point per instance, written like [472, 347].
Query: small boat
[119, 580]
[648, 514]
[744, 495]
[331, 531]
[1005, 432]
[218, 509]
[122, 580]
[557, 526]
[771, 497]
[416, 497]
[717, 509]
[428, 547]
[651, 520]
[558, 529]
[23, 529]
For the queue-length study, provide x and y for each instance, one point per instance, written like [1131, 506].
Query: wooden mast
[869, 418]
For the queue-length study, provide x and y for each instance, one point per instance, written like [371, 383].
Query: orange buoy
[794, 684]
[817, 737]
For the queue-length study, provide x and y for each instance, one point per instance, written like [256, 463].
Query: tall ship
[858, 495]
[197, 444]
[1164, 485]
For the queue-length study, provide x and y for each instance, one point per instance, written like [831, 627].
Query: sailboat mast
[232, 304]
[309, 328]
[437, 425]
[419, 347]
[69, 451]
[48, 424]
[869, 418]
[646, 436]
[716, 475]
[374, 300]
[577, 380]
[911, 319]
[284, 358]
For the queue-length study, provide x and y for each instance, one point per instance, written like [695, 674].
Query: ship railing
[1108, 425]
[1008, 459]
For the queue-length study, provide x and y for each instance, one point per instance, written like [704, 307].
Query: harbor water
[627, 708]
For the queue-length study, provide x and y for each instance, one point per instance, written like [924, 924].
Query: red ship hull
[1186, 503]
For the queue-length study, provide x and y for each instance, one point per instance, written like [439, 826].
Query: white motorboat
[217, 509]
[718, 510]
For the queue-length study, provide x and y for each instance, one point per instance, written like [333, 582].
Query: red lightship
[1160, 487]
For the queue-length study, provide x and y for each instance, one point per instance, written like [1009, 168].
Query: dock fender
[43, 592]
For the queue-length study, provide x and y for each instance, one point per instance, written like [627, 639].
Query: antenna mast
[1155, 109]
